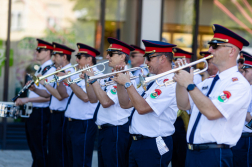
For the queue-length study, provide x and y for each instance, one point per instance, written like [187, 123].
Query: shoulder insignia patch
[165, 80]
[224, 96]
[156, 93]
[234, 79]
[68, 72]
[114, 91]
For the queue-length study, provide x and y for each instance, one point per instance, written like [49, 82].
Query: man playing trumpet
[218, 104]
[155, 111]
[112, 120]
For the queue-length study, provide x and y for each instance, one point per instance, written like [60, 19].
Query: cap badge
[79, 46]
[174, 50]
[156, 93]
[54, 46]
[224, 96]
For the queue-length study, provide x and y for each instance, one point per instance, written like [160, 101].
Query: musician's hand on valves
[122, 78]
[184, 78]
[89, 72]
[82, 76]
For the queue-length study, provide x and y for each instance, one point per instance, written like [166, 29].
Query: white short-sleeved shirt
[231, 97]
[245, 129]
[160, 121]
[197, 79]
[114, 114]
[78, 109]
[55, 104]
[33, 94]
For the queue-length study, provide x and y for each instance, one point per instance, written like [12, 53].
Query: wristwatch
[93, 81]
[127, 84]
[190, 87]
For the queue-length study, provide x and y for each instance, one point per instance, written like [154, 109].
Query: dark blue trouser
[243, 152]
[179, 144]
[81, 137]
[217, 157]
[36, 128]
[144, 153]
[57, 152]
[113, 146]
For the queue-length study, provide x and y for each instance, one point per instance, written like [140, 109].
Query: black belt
[56, 111]
[108, 125]
[38, 108]
[246, 134]
[72, 119]
[140, 137]
[206, 146]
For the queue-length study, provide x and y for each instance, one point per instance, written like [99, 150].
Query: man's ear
[123, 57]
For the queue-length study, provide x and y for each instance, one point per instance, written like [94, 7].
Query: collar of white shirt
[227, 73]
[48, 62]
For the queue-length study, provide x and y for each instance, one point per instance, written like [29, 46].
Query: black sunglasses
[38, 49]
[112, 53]
[148, 57]
[134, 55]
[215, 45]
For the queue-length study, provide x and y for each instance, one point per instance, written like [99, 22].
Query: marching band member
[179, 137]
[218, 104]
[155, 112]
[137, 60]
[81, 128]
[212, 69]
[57, 151]
[36, 125]
[112, 120]
[240, 63]
[242, 152]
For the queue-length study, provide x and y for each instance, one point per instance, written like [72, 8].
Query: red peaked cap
[204, 54]
[180, 53]
[58, 48]
[87, 50]
[138, 49]
[44, 44]
[247, 57]
[224, 35]
[117, 45]
[157, 46]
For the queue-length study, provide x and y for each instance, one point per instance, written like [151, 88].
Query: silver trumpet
[145, 81]
[60, 78]
[115, 73]
[37, 79]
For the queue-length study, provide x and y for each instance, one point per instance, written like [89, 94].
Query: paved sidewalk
[16, 158]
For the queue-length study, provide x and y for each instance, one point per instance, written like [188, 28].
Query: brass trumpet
[144, 81]
[114, 74]
[60, 78]
[37, 79]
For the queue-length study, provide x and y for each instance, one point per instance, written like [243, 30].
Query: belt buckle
[134, 137]
[99, 126]
[51, 111]
[190, 146]
[69, 119]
